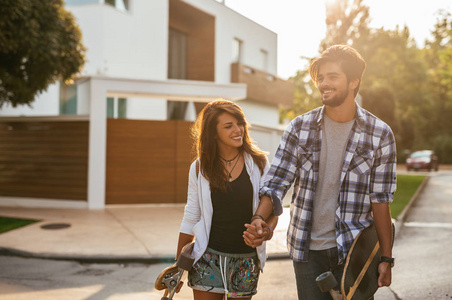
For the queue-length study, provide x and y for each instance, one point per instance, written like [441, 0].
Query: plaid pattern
[368, 175]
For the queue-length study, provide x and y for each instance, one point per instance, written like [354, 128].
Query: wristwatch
[389, 260]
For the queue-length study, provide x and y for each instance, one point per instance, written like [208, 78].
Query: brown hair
[204, 132]
[350, 61]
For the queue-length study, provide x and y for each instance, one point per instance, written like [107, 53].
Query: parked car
[424, 159]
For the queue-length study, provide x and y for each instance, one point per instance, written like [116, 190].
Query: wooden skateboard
[360, 276]
[170, 278]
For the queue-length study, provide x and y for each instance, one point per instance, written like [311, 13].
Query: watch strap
[387, 259]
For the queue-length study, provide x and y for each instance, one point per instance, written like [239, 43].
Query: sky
[300, 24]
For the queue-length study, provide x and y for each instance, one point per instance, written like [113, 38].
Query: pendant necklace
[229, 173]
[229, 162]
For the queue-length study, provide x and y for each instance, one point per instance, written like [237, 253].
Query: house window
[116, 108]
[264, 60]
[177, 54]
[237, 46]
[68, 99]
[81, 2]
[122, 5]
[176, 110]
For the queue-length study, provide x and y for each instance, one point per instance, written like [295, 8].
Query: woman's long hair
[205, 131]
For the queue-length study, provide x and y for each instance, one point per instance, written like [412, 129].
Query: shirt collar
[360, 116]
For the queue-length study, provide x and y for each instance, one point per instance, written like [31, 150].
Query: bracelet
[271, 233]
[256, 216]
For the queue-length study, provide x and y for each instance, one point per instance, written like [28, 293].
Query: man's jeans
[318, 263]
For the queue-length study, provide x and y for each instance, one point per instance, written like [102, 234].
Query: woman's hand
[256, 233]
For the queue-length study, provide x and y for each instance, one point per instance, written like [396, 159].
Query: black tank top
[230, 213]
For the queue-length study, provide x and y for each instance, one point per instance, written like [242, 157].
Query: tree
[394, 84]
[40, 43]
[306, 96]
[347, 21]
[438, 55]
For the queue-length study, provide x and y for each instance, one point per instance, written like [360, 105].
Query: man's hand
[256, 233]
[384, 271]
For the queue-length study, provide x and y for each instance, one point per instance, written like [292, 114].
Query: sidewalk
[145, 234]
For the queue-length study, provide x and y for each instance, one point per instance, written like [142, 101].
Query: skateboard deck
[170, 278]
[360, 276]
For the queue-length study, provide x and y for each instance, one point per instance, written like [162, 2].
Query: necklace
[229, 173]
[229, 162]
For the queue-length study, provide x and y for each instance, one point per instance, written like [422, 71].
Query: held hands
[257, 232]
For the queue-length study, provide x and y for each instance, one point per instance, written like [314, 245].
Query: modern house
[120, 134]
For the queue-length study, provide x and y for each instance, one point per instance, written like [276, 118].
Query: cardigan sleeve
[192, 212]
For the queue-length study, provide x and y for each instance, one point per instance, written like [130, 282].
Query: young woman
[223, 194]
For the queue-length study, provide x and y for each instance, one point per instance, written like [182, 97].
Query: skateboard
[360, 276]
[170, 278]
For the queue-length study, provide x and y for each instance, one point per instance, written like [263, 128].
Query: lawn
[407, 186]
[7, 224]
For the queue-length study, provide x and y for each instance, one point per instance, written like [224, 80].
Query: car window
[421, 154]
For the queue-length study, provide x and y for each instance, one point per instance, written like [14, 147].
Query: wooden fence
[147, 161]
[44, 159]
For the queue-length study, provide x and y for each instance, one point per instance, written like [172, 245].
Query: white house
[148, 62]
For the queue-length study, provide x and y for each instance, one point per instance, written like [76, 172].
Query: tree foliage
[347, 21]
[438, 56]
[40, 44]
[408, 87]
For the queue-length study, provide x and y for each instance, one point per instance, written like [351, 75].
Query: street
[423, 268]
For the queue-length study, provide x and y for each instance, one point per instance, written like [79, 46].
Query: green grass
[7, 224]
[407, 186]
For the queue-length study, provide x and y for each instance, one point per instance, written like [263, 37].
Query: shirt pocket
[362, 161]
[305, 159]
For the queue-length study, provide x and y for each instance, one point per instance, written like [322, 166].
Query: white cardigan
[198, 213]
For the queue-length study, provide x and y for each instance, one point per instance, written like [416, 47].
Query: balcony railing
[263, 87]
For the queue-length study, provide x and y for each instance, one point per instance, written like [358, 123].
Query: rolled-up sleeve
[384, 178]
[192, 212]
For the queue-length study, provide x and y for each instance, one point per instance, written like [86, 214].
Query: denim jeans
[318, 263]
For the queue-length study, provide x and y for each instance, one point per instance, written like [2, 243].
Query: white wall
[146, 109]
[260, 113]
[266, 138]
[130, 44]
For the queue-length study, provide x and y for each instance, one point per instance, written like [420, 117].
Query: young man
[342, 161]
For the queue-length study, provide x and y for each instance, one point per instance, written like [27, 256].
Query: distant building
[119, 133]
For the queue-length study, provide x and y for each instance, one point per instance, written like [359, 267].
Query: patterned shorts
[214, 270]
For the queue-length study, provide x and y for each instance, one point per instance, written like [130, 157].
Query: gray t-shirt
[334, 142]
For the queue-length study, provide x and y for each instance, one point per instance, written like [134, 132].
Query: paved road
[24, 279]
[423, 266]
[423, 249]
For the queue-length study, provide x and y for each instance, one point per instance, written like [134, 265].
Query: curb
[404, 214]
[100, 259]
[96, 259]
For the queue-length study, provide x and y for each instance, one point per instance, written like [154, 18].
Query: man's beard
[336, 100]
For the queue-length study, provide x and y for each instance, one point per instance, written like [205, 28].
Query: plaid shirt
[368, 175]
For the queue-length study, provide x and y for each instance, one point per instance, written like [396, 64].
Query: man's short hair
[350, 61]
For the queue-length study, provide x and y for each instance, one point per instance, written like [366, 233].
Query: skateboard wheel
[326, 281]
[185, 261]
